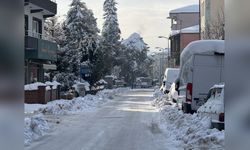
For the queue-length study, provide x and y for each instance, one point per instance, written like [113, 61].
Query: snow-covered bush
[67, 80]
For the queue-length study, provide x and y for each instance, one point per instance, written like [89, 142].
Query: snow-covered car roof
[221, 85]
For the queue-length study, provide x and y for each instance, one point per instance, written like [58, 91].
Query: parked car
[173, 92]
[202, 66]
[214, 107]
[170, 76]
[144, 82]
[81, 88]
[119, 83]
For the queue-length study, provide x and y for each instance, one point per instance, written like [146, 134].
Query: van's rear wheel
[186, 108]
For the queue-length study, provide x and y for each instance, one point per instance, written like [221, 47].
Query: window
[36, 28]
[26, 26]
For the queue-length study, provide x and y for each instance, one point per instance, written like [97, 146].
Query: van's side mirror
[177, 84]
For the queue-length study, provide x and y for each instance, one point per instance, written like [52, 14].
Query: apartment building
[40, 50]
[184, 29]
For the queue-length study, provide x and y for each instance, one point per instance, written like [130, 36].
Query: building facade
[184, 29]
[40, 50]
[212, 19]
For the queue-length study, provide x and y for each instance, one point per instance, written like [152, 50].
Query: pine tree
[81, 35]
[82, 43]
[110, 36]
[111, 31]
[135, 62]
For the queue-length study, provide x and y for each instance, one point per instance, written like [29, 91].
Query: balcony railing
[39, 36]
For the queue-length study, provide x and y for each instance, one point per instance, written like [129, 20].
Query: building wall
[184, 20]
[31, 16]
[211, 12]
[187, 38]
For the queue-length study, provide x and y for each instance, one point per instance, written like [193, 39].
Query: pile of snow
[160, 99]
[191, 131]
[80, 104]
[54, 84]
[102, 81]
[135, 41]
[31, 108]
[33, 86]
[186, 9]
[34, 127]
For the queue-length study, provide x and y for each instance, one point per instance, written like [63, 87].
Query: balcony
[48, 7]
[40, 47]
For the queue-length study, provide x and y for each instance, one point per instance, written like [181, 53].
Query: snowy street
[126, 122]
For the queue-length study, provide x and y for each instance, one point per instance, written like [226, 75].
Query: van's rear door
[207, 71]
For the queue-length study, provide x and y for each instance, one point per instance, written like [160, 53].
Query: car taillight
[189, 92]
[221, 117]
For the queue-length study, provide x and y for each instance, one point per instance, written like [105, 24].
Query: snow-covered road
[125, 123]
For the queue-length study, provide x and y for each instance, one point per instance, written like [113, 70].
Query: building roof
[186, 9]
[192, 29]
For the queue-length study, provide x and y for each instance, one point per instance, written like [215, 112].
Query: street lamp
[164, 37]
[161, 62]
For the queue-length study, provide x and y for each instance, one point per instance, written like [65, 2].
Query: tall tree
[81, 35]
[111, 31]
[110, 36]
[81, 43]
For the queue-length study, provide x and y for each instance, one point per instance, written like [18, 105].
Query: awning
[49, 67]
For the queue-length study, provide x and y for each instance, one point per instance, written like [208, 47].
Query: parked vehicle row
[170, 76]
[198, 86]
[144, 82]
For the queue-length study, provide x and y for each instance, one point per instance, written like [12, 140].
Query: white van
[202, 66]
[170, 76]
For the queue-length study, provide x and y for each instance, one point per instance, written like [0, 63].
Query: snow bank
[160, 99]
[34, 86]
[193, 132]
[190, 131]
[80, 104]
[34, 127]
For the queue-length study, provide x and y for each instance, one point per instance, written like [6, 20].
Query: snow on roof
[134, 41]
[192, 29]
[102, 81]
[202, 46]
[186, 9]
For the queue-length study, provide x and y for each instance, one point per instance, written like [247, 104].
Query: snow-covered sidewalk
[190, 131]
[36, 124]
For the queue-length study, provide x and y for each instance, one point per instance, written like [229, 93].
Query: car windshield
[213, 92]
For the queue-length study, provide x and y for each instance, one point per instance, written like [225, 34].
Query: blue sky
[147, 17]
